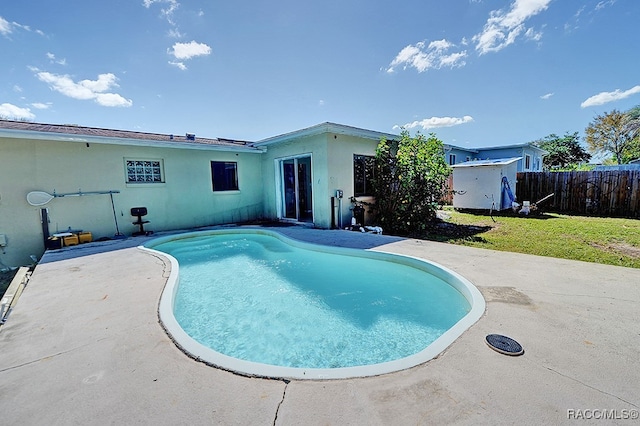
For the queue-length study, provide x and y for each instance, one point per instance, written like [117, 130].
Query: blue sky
[474, 72]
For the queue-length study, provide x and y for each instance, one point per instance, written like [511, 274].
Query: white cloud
[167, 11]
[546, 96]
[606, 97]
[189, 50]
[40, 105]
[531, 34]
[174, 33]
[112, 100]
[603, 4]
[503, 27]
[180, 65]
[436, 122]
[17, 88]
[423, 57]
[53, 59]
[5, 26]
[85, 89]
[15, 112]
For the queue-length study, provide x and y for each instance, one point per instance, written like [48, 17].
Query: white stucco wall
[316, 147]
[480, 187]
[341, 151]
[332, 164]
[185, 200]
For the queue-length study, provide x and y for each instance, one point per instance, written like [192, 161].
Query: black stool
[139, 212]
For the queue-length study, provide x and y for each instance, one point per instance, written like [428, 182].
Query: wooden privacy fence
[601, 193]
[448, 197]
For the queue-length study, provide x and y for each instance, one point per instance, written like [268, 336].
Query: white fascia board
[326, 128]
[517, 145]
[487, 163]
[66, 137]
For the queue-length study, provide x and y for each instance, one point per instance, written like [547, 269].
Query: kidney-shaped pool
[257, 303]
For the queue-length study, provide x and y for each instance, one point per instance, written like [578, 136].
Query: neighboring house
[184, 181]
[455, 154]
[632, 165]
[531, 155]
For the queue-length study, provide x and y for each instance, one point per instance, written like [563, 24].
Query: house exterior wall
[494, 153]
[342, 148]
[316, 147]
[460, 155]
[332, 169]
[185, 200]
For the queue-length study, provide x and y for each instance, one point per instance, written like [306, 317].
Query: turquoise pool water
[257, 298]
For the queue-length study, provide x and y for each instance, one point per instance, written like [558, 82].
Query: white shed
[485, 184]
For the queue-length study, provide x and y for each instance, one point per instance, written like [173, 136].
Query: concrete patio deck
[84, 346]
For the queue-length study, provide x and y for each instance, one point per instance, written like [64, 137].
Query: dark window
[452, 159]
[224, 175]
[527, 162]
[363, 174]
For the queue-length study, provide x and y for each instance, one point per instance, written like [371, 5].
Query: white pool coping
[211, 357]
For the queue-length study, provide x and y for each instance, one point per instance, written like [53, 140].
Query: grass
[611, 241]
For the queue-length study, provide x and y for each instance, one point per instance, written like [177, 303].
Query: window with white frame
[144, 171]
[527, 162]
[452, 159]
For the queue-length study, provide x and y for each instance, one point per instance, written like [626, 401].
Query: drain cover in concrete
[504, 345]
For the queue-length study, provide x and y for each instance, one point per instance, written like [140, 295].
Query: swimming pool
[257, 303]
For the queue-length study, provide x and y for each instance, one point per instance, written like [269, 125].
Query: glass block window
[144, 171]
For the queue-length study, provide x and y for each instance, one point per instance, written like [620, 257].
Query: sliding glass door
[296, 183]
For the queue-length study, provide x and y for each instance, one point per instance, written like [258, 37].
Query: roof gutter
[325, 128]
[67, 137]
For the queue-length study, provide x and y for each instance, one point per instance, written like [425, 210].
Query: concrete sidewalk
[84, 346]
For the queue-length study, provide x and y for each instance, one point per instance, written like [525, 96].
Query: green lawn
[611, 241]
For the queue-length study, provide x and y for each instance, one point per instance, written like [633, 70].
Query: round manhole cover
[504, 345]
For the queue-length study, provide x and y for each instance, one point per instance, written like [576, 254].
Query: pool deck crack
[284, 393]
[588, 385]
[47, 357]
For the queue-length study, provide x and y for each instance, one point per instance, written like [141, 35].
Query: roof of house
[530, 145]
[326, 127]
[491, 162]
[75, 133]
[449, 147]
[617, 167]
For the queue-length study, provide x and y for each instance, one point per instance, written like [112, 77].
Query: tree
[614, 133]
[410, 176]
[632, 152]
[564, 152]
